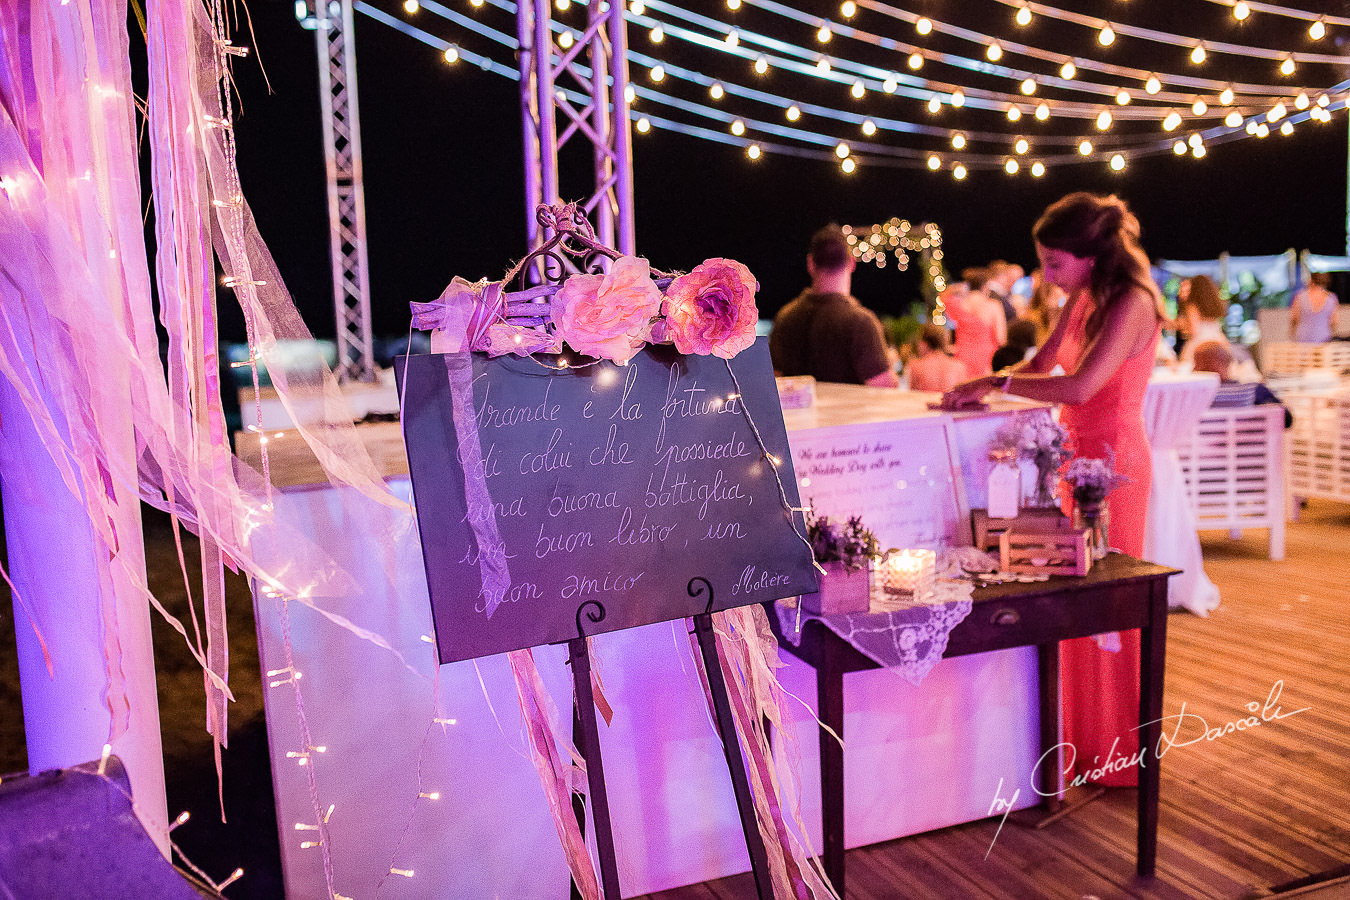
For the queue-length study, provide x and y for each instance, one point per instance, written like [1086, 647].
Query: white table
[1172, 406]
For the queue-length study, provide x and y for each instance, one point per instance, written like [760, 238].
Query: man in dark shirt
[825, 332]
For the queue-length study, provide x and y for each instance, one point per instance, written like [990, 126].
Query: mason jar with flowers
[1038, 439]
[847, 551]
[1092, 480]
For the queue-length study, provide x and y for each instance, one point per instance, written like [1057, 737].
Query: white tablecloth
[1172, 406]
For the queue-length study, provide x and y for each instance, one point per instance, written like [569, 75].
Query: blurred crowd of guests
[994, 318]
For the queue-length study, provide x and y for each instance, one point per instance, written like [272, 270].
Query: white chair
[1233, 465]
[1319, 447]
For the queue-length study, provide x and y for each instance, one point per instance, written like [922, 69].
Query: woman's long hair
[1102, 228]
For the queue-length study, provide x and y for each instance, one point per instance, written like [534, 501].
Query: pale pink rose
[608, 316]
[712, 309]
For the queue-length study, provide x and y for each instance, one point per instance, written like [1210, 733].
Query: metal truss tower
[335, 37]
[548, 74]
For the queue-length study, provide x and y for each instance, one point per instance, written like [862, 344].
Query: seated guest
[825, 332]
[1021, 341]
[1216, 357]
[980, 324]
[1200, 318]
[933, 368]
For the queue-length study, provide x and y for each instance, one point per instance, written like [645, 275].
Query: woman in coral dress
[1105, 341]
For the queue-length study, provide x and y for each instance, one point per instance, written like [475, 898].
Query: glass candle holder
[910, 571]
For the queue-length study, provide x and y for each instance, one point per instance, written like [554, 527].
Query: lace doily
[910, 641]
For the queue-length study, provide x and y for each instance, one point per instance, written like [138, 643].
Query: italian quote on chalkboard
[554, 501]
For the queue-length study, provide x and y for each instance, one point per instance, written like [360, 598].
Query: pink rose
[608, 316]
[712, 309]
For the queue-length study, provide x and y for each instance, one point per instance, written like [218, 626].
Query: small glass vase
[1094, 515]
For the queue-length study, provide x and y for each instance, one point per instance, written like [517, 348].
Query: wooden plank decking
[1241, 815]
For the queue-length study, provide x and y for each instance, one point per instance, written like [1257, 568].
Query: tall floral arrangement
[1092, 479]
[1036, 437]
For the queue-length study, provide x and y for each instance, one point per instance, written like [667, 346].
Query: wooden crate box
[1056, 552]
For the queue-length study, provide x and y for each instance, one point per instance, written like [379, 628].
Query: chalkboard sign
[557, 501]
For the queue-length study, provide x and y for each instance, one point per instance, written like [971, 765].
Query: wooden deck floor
[1241, 816]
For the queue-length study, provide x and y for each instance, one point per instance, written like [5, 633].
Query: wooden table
[1119, 593]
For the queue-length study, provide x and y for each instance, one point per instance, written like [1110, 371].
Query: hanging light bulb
[1021, 147]
[658, 73]
[637, 7]
[823, 34]
[657, 34]
[1179, 148]
[1198, 54]
[1043, 112]
[733, 38]
[716, 91]
[1226, 98]
[915, 61]
[1085, 148]
[1276, 112]
[1251, 127]
[1241, 10]
[869, 127]
[1104, 120]
[1287, 128]
[958, 141]
[1301, 101]
[923, 26]
[890, 84]
[1117, 162]
[841, 150]
[411, 6]
[848, 9]
[1233, 119]
[451, 55]
[959, 172]
[1322, 100]
[1038, 169]
[993, 52]
[1106, 37]
[1152, 85]
[859, 90]
[644, 125]
[1172, 121]
[1014, 114]
[1262, 130]
[752, 151]
[849, 166]
[565, 40]
[761, 65]
[934, 105]
[629, 92]
[959, 99]
[1023, 16]
[1068, 70]
[1195, 140]
[738, 128]
[793, 113]
[1287, 67]
[1011, 167]
[1122, 97]
[1199, 152]
[822, 65]
[1199, 107]
[1029, 86]
[1317, 30]
[934, 162]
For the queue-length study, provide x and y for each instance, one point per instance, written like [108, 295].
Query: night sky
[445, 197]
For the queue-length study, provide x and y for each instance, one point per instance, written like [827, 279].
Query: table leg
[1153, 648]
[1047, 677]
[830, 700]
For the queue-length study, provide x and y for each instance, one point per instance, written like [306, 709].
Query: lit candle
[910, 571]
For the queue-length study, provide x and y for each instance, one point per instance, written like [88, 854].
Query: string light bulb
[1322, 100]
[858, 90]
[733, 5]
[1262, 130]
[1287, 128]
[1179, 148]
[1301, 101]
[1043, 112]
[738, 128]
[411, 6]
[958, 141]
[657, 34]
[1233, 119]
[451, 55]
[716, 91]
[848, 9]
[1037, 169]
[1198, 54]
[1023, 16]
[1172, 121]
[823, 34]
[1241, 10]
[993, 52]
[1317, 30]
[752, 151]
[1117, 162]
[934, 162]
[1122, 97]
[1085, 148]
[761, 65]
[1152, 85]
[637, 8]
[849, 167]
[915, 61]
[1226, 97]
[869, 127]
[629, 93]
[1011, 167]
[658, 73]
[1068, 70]
[793, 113]
[1021, 146]
[934, 104]
[890, 84]
[1287, 67]
[1106, 37]
[959, 99]
[1199, 107]
[823, 66]
[1104, 120]
[1199, 151]
[733, 38]
[923, 26]
[565, 40]
[1029, 86]
[959, 172]
[841, 150]
[1195, 140]
[1276, 112]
